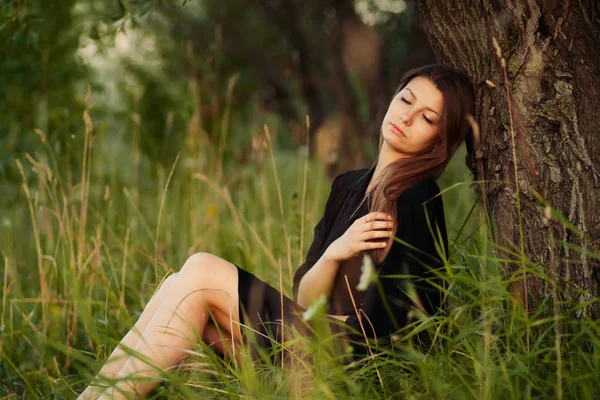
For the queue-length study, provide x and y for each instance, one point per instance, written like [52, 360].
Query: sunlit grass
[82, 255]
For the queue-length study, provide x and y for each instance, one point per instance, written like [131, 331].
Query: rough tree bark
[552, 85]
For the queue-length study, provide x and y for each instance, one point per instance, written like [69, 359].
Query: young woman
[424, 125]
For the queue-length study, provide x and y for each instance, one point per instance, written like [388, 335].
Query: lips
[397, 130]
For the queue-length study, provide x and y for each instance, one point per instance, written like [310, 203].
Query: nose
[407, 117]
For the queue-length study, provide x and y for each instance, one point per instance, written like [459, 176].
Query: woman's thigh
[217, 280]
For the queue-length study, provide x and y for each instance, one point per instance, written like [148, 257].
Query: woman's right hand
[359, 236]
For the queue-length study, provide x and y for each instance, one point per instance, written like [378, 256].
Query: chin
[392, 147]
[391, 138]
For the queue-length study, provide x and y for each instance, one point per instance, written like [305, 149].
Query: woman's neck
[385, 158]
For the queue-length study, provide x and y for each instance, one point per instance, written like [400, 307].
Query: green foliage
[100, 247]
[43, 77]
[175, 161]
[38, 71]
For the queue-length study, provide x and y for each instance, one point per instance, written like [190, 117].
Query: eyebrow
[430, 109]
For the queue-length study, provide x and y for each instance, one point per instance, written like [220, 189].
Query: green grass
[84, 251]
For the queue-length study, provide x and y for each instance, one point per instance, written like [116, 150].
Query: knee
[169, 281]
[197, 265]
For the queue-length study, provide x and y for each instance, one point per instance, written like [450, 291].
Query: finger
[377, 215]
[375, 225]
[370, 235]
[373, 245]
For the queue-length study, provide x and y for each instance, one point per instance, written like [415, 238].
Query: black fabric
[261, 313]
[261, 307]
[419, 210]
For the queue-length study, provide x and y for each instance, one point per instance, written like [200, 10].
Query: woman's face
[411, 123]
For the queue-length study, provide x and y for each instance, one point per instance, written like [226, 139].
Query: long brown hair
[459, 101]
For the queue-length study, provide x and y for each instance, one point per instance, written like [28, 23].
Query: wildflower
[316, 308]
[368, 274]
[212, 210]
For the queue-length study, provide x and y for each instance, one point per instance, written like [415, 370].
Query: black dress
[419, 214]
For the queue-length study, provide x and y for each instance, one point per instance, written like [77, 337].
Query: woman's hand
[359, 237]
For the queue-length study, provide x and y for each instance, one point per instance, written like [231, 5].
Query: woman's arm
[320, 233]
[389, 312]
[366, 233]
[340, 317]
[317, 275]
[318, 280]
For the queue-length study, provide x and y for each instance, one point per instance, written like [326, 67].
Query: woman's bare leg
[118, 357]
[206, 283]
[221, 339]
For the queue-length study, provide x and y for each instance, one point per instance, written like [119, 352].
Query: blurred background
[135, 133]
[163, 76]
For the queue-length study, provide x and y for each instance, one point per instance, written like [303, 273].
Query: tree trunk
[552, 85]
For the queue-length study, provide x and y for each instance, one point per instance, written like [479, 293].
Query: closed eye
[430, 122]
